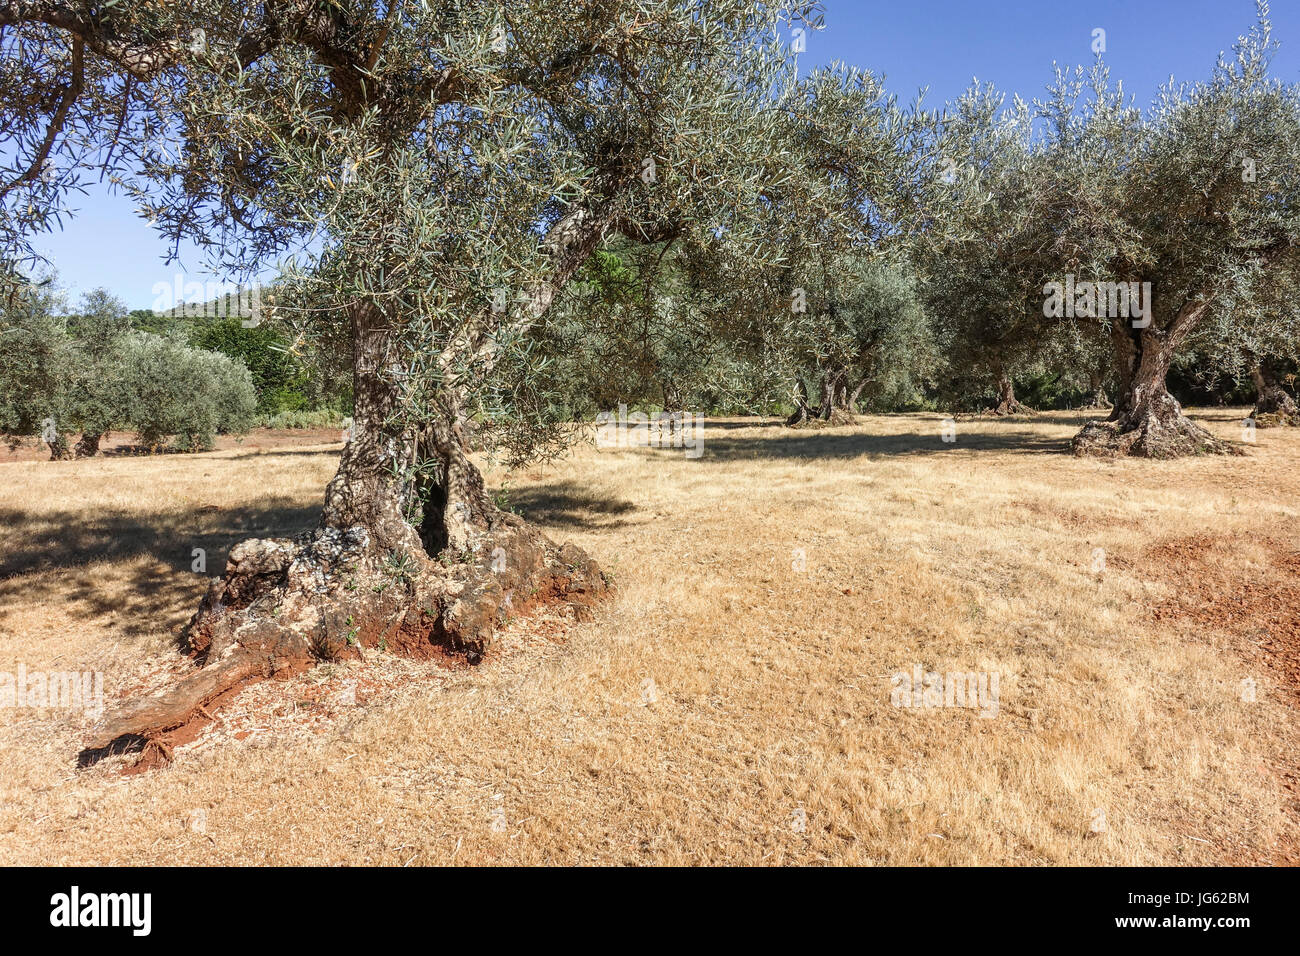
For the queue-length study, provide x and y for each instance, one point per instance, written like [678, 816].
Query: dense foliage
[89, 373]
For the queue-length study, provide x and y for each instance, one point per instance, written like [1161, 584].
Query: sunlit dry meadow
[723, 706]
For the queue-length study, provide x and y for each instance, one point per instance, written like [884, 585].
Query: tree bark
[1008, 404]
[1273, 405]
[60, 450]
[835, 408]
[829, 385]
[373, 487]
[88, 445]
[410, 554]
[1146, 421]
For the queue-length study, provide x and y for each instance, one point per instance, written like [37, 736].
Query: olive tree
[1254, 336]
[431, 175]
[867, 337]
[980, 257]
[1191, 207]
[97, 397]
[88, 372]
[59, 370]
[37, 359]
[181, 395]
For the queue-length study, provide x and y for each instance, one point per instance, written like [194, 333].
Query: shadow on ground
[569, 505]
[844, 443]
[145, 596]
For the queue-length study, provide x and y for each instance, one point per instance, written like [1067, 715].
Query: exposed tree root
[1153, 433]
[87, 445]
[839, 416]
[283, 606]
[1275, 408]
[1012, 407]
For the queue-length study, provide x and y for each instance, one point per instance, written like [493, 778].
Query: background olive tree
[86, 373]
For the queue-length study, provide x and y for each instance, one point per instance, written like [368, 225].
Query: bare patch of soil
[1258, 608]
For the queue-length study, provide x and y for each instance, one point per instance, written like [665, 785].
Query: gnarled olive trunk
[60, 450]
[88, 445]
[373, 488]
[1273, 405]
[1097, 397]
[411, 555]
[1008, 404]
[1146, 421]
[836, 406]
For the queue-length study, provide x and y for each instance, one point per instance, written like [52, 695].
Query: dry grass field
[723, 706]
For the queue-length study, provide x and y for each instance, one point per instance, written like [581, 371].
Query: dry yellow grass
[722, 707]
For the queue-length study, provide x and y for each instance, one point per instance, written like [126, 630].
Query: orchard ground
[722, 706]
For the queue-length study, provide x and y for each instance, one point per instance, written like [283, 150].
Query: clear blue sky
[942, 43]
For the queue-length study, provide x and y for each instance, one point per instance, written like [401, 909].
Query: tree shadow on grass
[713, 425]
[282, 452]
[569, 505]
[147, 597]
[842, 443]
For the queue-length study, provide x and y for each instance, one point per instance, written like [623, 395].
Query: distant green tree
[862, 333]
[88, 372]
[97, 400]
[36, 362]
[147, 320]
[180, 391]
[281, 381]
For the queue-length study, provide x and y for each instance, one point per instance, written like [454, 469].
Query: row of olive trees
[940, 288]
[451, 168]
[1056, 208]
[90, 373]
[1194, 204]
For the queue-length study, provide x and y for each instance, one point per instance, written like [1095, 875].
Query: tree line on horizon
[70, 376]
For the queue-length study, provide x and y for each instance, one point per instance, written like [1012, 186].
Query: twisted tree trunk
[60, 450]
[837, 405]
[1273, 405]
[1008, 404]
[410, 553]
[1146, 421]
[88, 445]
